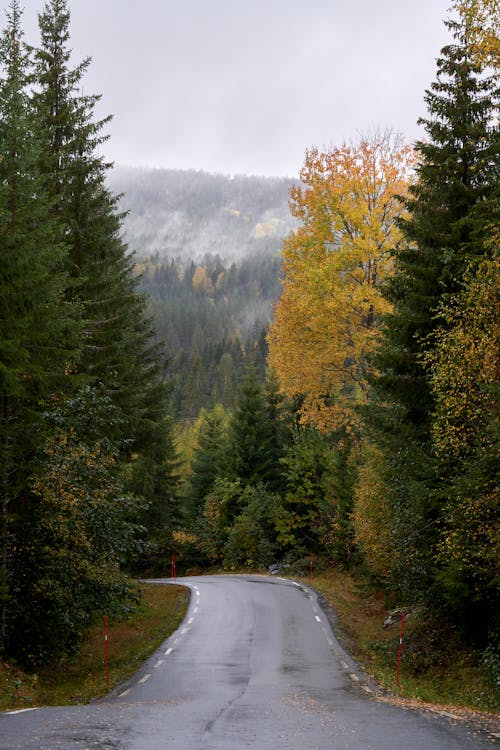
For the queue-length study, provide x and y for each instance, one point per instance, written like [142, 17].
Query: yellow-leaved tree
[482, 21]
[327, 319]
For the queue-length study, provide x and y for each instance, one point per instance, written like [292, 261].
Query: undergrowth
[81, 678]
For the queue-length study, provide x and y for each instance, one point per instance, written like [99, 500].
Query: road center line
[317, 618]
[158, 664]
[168, 651]
[144, 679]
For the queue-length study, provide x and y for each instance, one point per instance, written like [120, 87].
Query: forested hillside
[212, 317]
[208, 253]
[188, 214]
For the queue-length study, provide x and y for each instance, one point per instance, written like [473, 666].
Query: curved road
[254, 665]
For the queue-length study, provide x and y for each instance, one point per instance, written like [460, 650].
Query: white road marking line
[144, 679]
[296, 584]
[184, 630]
[191, 620]
[195, 610]
[158, 664]
[346, 666]
[20, 711]
[168, 651]
[126, 692]
[366, 689]
[317, 618]
[353, 677]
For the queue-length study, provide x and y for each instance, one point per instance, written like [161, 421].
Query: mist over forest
[187, 213]
[208, 250]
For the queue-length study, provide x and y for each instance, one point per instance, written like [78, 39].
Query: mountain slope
[187, 214]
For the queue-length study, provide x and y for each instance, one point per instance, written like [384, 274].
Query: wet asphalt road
[254, 665]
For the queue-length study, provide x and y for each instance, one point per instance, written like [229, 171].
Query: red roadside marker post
[173, 572]
[311, 568]
[400, 649]
[106, 648]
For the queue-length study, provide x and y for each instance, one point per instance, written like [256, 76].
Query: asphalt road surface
[254, 665]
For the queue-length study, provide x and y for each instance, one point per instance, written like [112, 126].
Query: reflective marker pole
[401, 633]
[173, 571]
[311, 569]
[106, 643]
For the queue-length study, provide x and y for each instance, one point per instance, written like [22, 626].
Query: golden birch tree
[327, 319]
[482, 21]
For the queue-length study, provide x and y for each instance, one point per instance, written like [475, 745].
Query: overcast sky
[246, 86]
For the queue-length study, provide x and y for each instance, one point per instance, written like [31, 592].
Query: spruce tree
[36, 333]
[445, 234]
[446, 228]
[210, 459]
[251, 449]
[118, 351]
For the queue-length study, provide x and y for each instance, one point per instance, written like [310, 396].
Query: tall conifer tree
[445, 233]
[446, 228]
[35, 340]
[118, 350]
[251, 436]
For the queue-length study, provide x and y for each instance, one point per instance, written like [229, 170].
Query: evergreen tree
[280, 419]
[445, 233]
[251, 436]
[155, 479]
[209, 460]
[67, 259]
[118, 350]
[446, 228]
[35, 330]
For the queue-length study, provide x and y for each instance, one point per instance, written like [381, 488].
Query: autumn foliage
[327, 319]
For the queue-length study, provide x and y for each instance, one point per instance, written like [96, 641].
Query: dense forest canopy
[213, 318]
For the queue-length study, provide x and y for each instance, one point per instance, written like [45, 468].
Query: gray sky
[246, 86]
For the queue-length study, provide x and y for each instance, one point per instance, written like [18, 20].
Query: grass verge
[81, 678]
[436, 667]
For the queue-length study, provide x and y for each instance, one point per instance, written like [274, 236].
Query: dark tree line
[86, 444]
